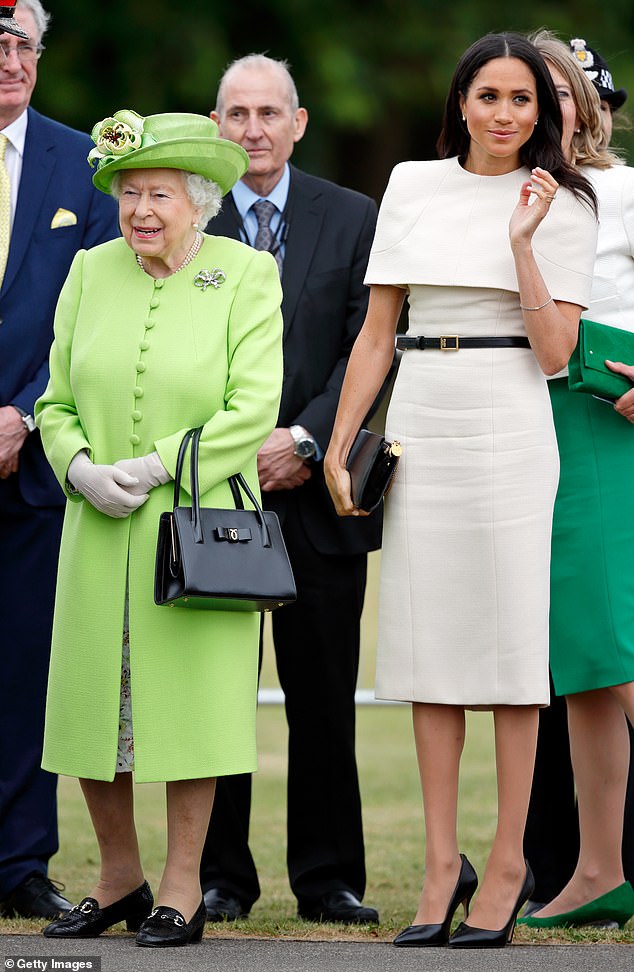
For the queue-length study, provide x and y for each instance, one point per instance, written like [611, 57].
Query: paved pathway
[119, 954]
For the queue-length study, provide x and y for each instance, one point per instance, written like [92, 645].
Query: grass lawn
[393, 831]
[392, 819]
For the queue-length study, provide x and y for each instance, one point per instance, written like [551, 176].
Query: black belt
[452, 342]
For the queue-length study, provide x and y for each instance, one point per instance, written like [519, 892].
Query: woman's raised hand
[528, 214]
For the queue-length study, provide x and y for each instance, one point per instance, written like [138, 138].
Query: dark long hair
[544, 146]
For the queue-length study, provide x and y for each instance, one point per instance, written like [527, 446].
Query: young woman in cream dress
[493, 241]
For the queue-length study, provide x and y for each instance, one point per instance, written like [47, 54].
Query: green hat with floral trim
[168, 141]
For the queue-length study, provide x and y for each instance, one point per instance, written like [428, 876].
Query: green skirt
[592, 571]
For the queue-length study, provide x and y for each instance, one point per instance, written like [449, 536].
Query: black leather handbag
[371, 462]
[217, 559]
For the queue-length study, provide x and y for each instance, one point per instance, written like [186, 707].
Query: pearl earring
[464, 117]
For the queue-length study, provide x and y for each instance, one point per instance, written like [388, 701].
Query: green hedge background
[372, 73]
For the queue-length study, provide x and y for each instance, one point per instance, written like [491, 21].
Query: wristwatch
[28, 420]
[305, 446]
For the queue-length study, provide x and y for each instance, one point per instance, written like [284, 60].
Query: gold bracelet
[536, 308]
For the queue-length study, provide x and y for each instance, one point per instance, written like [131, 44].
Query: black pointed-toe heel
[88, 920]
[466, 936]
[418, 936]
[166, 927]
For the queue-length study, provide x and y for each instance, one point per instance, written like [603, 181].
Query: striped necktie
[5, 209]
[264, 239]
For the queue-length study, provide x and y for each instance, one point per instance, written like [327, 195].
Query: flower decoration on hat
[168, 140]
[118, 136]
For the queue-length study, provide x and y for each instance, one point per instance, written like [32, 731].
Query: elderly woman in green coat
[160, 331]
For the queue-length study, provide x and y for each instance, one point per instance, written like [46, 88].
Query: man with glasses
[25, 51]
[48, 211]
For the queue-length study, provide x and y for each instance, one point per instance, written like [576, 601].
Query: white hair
[203, 193]
[39, 14]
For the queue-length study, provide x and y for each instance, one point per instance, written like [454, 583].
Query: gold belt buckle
[449, 347]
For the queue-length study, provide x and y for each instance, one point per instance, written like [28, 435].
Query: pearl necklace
[193, 250]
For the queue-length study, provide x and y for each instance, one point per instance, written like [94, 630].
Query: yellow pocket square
[63, 217]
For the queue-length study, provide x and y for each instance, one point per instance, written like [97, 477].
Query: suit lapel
[37, 169]
[306, 214]
[227, 222]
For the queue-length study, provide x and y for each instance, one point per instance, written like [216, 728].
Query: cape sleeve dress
[464, 591]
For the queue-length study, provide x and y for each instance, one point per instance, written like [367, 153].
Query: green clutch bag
[587, 370]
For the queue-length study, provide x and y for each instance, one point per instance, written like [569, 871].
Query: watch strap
[301, 435]
[27, 420]
[298, 432]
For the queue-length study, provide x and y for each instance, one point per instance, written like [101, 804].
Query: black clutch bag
[217, 559]
[371, 462]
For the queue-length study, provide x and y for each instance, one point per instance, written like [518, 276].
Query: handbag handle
[236, 482]
[179, 466]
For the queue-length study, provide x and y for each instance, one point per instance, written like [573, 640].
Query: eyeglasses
[27, 53]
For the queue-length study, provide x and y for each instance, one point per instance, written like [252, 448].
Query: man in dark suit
[320, 234]
[48, 210]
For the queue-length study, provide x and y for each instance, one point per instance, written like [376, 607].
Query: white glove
[105, 487]
[148, 470]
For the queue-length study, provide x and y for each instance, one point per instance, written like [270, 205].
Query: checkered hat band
[605, 79]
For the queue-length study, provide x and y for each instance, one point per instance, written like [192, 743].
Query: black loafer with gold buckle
[166, 927]
[88, 920]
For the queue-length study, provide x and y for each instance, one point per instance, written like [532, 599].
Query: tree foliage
[373, 74]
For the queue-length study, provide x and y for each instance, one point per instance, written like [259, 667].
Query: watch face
[305, 449]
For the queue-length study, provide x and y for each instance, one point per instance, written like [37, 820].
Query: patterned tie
[264, 238]
[5, 209]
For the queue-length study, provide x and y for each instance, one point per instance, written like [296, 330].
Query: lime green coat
[135, 363]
